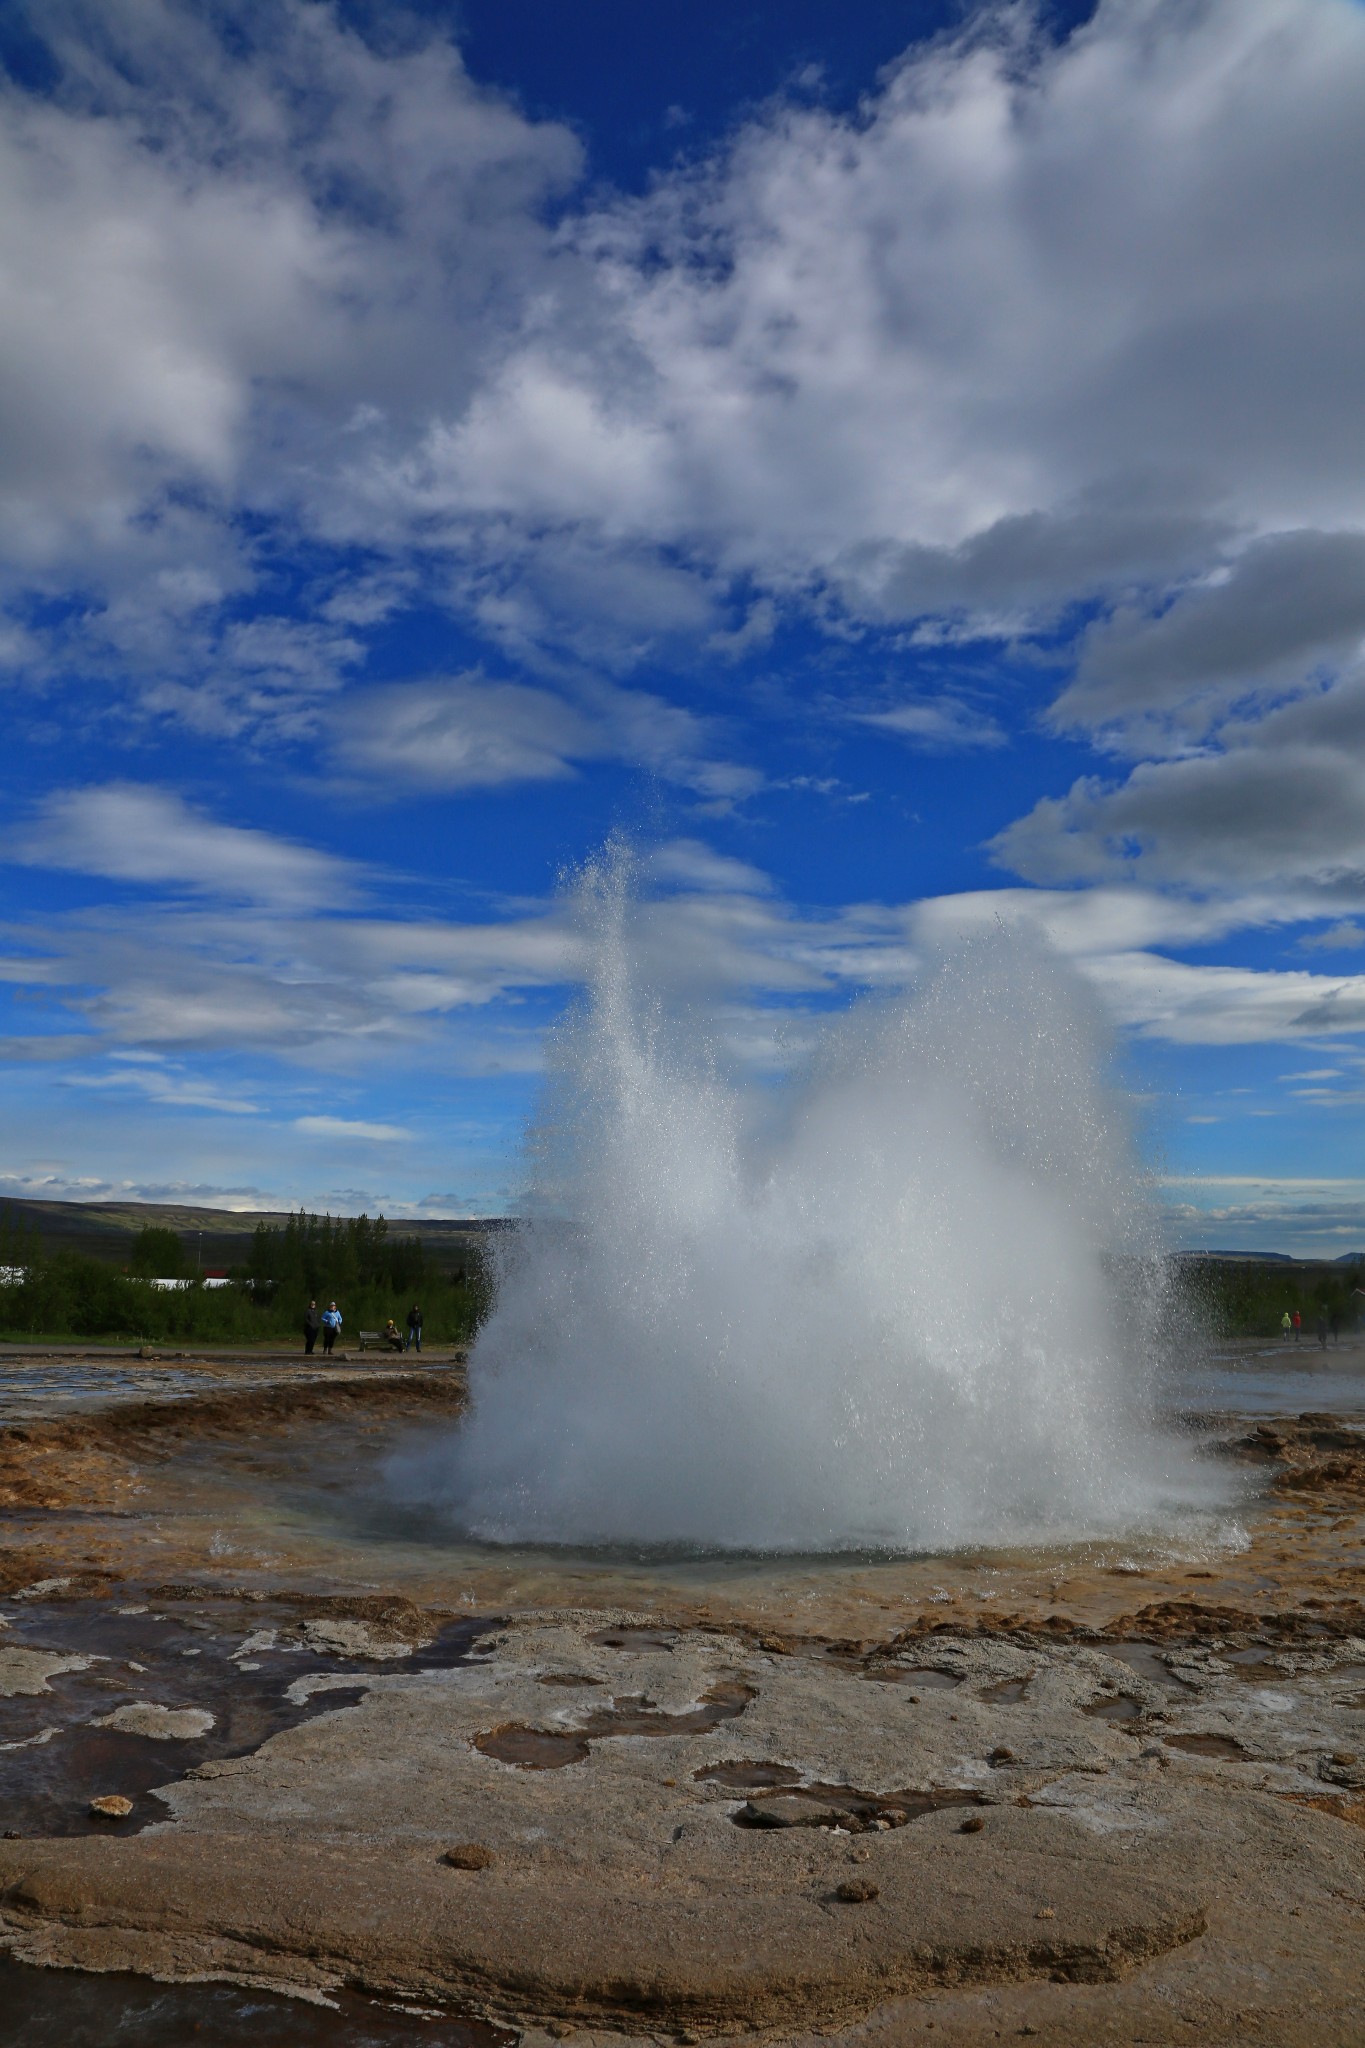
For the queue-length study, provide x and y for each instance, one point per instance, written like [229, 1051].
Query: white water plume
[905, 1299]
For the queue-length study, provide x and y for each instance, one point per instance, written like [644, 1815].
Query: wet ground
[200, 1562]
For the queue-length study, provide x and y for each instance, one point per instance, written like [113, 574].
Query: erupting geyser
[905, 1299]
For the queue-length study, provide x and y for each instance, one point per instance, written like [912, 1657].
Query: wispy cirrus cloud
[130, 833]
[936, 725]
[351, 1127]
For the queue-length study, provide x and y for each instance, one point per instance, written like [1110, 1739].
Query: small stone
[972, 1825]
[112, 1806]
[12, 1835]
[857, 1891]
[1045, 1913]
[469, 1856]
[1343, 1756]
[860, 1855]
[558, 2030]
[1001, 1756]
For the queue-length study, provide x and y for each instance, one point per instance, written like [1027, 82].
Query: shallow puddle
[1123, 1708]
[532, 1749]
[1147, 1661]
[748, 1777]
[1008, 1692]
[70, 2009]
[1207, 1745]
[55, 1758]
[921, 1678]
[550, 1749]
[634, 1639]
[842, 1806]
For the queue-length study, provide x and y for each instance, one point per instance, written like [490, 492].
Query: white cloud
[464, 732]
[1290, 606]
[692, 864]
[937, 725]
[346, 1127]
[169, 1090]
[1188, 1004]
[1110, 932]
[988, 344]
[1277, 803]
[1307, 1217]
[219, 248]
[1346, 937]
[1022, 284]
[127, 833]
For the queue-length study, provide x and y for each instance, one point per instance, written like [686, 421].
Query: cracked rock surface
[617, 1889]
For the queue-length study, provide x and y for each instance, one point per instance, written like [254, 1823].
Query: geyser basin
[908, 1298]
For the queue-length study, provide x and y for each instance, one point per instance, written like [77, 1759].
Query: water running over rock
[905, 1298]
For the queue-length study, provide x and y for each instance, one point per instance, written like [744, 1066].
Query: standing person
[1322, 1329]
[331, 1324]
[1286, 1325]
[312, 1323]
[1335, 1320]
[414, 1328]
[1298, 1326]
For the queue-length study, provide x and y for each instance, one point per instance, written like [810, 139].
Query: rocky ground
[1085, 1798]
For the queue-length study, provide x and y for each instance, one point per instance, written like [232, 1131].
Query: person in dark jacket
[312, 1323]
[414, 1328]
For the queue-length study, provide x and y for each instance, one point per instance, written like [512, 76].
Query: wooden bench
[376, 1337]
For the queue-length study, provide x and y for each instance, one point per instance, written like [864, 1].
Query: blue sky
[904, 464]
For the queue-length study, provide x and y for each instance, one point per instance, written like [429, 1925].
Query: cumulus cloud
[1278, 802]
[462, 732]
[983, 347]
[127, 833]
[223, 239]
[990, 341]
[1290, 606]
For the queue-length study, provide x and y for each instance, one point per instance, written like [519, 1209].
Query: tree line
[1247, 1298]
[354, 1260]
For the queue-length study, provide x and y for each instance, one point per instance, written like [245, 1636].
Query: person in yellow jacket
[1286, 1324]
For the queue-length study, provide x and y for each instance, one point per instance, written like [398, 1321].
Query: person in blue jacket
[331, 1324]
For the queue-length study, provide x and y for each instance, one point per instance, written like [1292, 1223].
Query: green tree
[158, 1254]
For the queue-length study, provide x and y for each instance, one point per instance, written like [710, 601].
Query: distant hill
[1254, 1258]
[1273, 1258]
[212, 1237]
